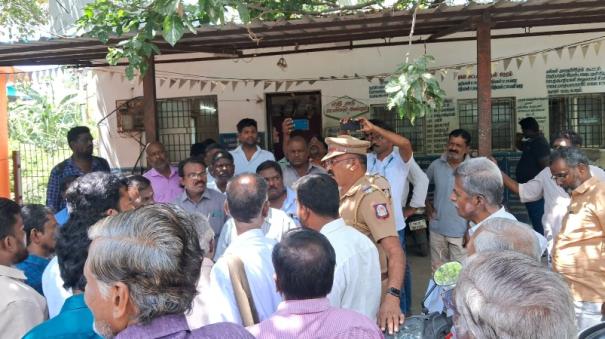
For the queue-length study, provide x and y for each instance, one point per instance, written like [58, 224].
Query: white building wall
[122, 151]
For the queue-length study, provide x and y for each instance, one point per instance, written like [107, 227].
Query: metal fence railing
[35, 164]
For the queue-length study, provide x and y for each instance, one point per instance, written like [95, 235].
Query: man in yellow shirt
[578, 250]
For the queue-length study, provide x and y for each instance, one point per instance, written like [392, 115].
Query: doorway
[303, 107]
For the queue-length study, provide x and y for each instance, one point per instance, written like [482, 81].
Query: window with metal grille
[184, 121]
[415, 133]
[582, 113]
[503, 118]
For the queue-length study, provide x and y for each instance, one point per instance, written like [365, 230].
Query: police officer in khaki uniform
[366, 205]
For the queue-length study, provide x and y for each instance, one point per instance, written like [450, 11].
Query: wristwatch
[394, 292]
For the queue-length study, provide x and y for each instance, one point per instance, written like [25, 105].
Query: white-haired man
[478, 193]
[505, 294]
[141, 272]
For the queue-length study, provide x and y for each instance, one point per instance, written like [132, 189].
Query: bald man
[164, 178]
[500, 234]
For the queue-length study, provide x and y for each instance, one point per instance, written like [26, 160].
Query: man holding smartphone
[389, 156]
[296, 150]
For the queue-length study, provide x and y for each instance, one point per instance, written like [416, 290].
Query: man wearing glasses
[365, 204]
[578, 249]
[197, 198]
[556, 199]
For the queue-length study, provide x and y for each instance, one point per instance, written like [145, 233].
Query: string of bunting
[202, 82]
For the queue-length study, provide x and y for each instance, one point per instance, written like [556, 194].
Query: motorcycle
[417, 226]
[433, 325]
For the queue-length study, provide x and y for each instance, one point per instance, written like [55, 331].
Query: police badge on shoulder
[381, 211]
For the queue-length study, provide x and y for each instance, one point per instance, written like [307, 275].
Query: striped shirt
[315, 318]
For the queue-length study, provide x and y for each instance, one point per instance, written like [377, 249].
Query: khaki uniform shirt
[579, 249]
[367, 207]
[21, 307]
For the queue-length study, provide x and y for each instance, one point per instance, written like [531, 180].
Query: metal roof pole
[149, 104]
[484, 85]
[5, 176]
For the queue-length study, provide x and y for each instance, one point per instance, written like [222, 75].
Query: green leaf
[173, 29]
[244, 13]
[166, 7]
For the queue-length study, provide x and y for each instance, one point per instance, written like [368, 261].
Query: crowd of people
[234, 244]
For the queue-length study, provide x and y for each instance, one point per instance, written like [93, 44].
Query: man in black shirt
[535, 150]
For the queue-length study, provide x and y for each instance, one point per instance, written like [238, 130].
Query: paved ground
[421, 273]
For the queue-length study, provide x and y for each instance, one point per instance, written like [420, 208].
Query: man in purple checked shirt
[141, 272]
[164, 178]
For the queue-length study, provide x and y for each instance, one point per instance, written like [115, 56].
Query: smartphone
[351, 125]
[301, 124]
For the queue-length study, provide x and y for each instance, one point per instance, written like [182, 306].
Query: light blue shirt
[290, 206]
[243, 165]
[447, 222]
[394, 169]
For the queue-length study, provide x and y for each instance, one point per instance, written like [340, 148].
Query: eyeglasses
[330, 162]
[561, 175]
[195, 175]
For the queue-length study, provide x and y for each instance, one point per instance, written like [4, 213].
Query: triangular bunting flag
[111, 74]
[559, 52]
[212, 85]
[506, 63]
[298, 83]
[441, 76]
[545, 57]
[233, 85]
[278, 85]
[519, 62]
[381, 80]
[572, 51]
[532, 59]
[597, 47]
[182, 82]
[311, 82]
[202, 85]
[192, 83]
[468, 70]
[171, 83]
[288, 84]
[494, 66]
[224, 85]
[256, 82]
[162, 81]
[370, 78]
[584, 50]
[266, 84]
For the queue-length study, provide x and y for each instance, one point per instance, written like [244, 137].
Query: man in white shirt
[280, 196]
[21, 307]
[388, 158]
[248, 155]
[275, 225]
[420, 181]
[556, 199]
[357, 266]
[478, 193]
[247, 204]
